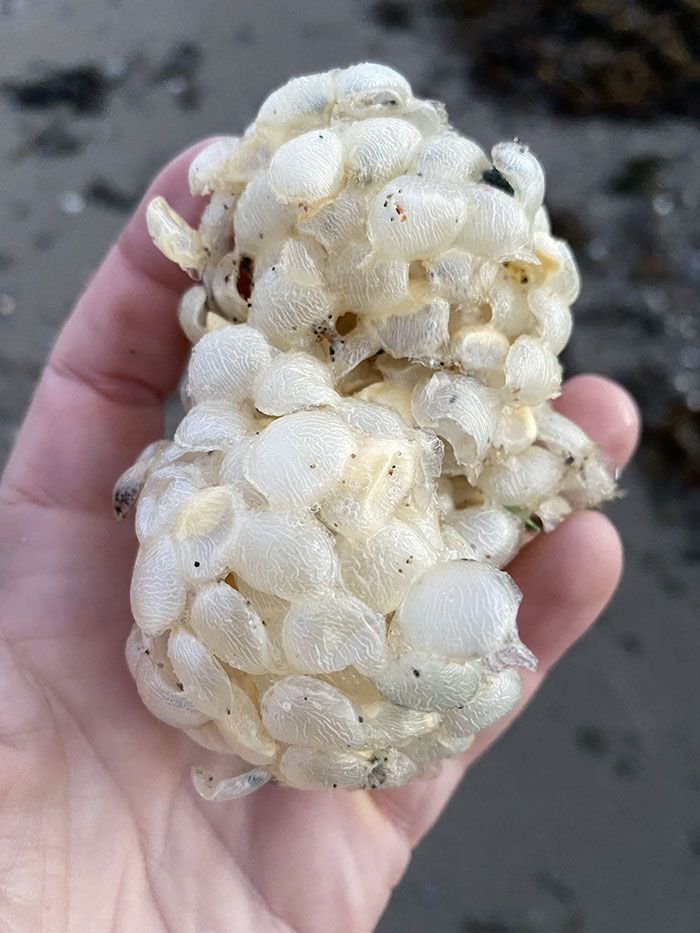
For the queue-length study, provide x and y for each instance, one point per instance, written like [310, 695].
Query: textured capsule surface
[321, 589]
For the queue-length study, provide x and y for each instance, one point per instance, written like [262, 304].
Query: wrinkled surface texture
[369, 436]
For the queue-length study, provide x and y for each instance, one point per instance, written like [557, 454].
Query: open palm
[99, 824]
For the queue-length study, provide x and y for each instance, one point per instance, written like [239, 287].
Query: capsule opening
[244, 282]
[346, 323]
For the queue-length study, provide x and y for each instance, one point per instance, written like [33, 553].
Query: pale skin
[99, 825]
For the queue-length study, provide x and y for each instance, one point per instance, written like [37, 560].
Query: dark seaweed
[103, 193]
[84, 89]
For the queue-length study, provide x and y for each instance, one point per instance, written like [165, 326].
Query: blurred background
[587, 816]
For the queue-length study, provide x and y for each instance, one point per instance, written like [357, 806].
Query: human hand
[100, 826]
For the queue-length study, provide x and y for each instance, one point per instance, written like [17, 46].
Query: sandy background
[586, 817]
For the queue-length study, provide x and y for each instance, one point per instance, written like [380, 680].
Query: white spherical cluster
[368, 437]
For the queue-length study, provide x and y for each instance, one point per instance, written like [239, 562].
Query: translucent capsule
[307, 169]
[226, 623]
[128, 488]
[428, 116]
[590, 484]
[347, 353]
[532, 371]
[260, 219]
[415, 218]
[462, 411]
[523, 172]
[271, 609]
[292, 556]
[452, 158]
[208, 736]
[339, 222]
[157, 587]
[297, 459]
[329, 634]
[214, 322]
[213, 425]
[552, 511]
[562, 276]
[553, 316]
[225, 362]
[232, 470]
[175, 238]
[389, 725]
[453, 747]
[445, 497]
[480, 351]
[541, 223]
[427, 522]
[427, 750]
[164, 493]
[372, 485]
[292, 381]
[207, 171]
[370, 87]
[204, 531]
[163, 698]
[515, 432]
[192, 313]
[422, 333]
[155, 648]
[242, 729]
[493, 534]
[216, 228]
[428, 472]
[301, 103]
[455, 547]
[290, 305]
[208, 463]
[390, 768]
[497, 695]
[379, 149]
[510, 313]
[302, 710]
[366, 285]
[129, 485]
[494, 225]
[211, 786]
[353, 684]
[523, 480]
[157, 453]
[302, 261]
[253, 154]
[361, 377]
[451, 275]
[221, 279]
[312, 769]
[203, 679]
[460, 609]
[368, 418]
[420, 680]
[397, 398]
[561, 435]
[380, 569]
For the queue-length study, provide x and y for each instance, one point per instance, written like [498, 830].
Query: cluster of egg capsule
[376, 325]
